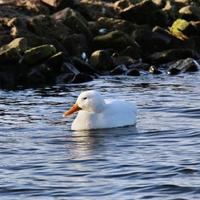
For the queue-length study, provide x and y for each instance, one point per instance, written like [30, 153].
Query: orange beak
[73, 109]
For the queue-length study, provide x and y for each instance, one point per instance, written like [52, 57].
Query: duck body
[103, 113]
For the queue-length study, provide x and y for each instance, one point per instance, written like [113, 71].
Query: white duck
[96, 113]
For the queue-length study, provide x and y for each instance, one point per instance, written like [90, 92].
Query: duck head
[89, 101]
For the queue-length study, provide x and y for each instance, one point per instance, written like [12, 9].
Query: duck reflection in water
[102, 140]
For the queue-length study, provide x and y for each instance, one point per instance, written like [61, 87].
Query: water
[42, 159]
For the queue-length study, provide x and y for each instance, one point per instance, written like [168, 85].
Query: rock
[22, 7]
[64, 78]
[133, 72]
[38, 54]
[32, 7]
[173, 71]
[18, 28]
[150, 41]
[122, 4]
[51, 71]
[44, 26]
[83, 67]
[139, 65]
[5, 39]
[119, 70]
[190, 12]
[92, 10]
[122, 60]
[130, 51]
[20, 44]
[159, 3]
[101, 60]
[196, 26]
[184, 65]
[167, 39]
[76, 44]
[81, 78]
[60, 4]
[180, 28]
[7, 80]
[11, 52]
[157, 39]
[69, 68]
[36, 78]
[151, 14]
[154, 70]
[111, 24]
[74, 20]
[55, 60]
[170, 55]
[171, 8]
[116, 40]
[53, 3]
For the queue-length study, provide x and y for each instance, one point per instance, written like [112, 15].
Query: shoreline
[51, 42]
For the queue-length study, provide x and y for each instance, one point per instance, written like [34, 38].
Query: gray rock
[38, 54]
[184, 65]
[101, 60]
[81, 78]
[133, 72]
[74, 20]
[170, 55]
[119, 70]
[151, 14]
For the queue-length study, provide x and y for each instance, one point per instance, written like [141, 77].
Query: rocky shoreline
[45, 42]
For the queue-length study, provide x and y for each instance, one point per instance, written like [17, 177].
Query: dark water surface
[41, 158]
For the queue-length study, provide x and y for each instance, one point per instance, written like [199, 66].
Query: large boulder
[169, 41]
[18, 27]
[117, 40]
[38, 54]
[83, 67]
[76, 44]
[170, 55]
[81, 78]
[190, 12]
[145, 12]
[11, 53]
[101, 60]
[93, 9]
[149, 40]
[183, 65]
[7, 80]
[111, 24]
[52, 31]
[74, 20]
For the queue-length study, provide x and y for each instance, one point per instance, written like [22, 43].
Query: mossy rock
[115, 39]
[20, 44]
[179, 28]
[38, 54]
[11, 52]
[101, 60]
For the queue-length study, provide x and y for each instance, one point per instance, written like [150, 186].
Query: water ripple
[41, 158]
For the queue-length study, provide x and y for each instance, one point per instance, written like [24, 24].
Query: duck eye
[84, 98]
